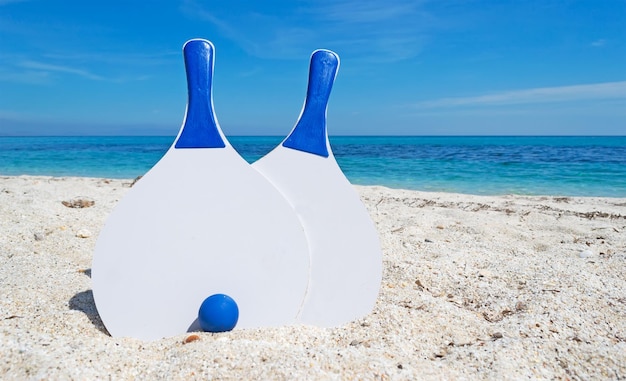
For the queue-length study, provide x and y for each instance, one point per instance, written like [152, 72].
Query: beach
[474, 287]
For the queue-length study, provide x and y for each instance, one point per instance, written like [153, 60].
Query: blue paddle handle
[200, 129]
[309, 134]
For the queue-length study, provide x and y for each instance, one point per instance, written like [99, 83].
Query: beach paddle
[202, 221]
[346, 259]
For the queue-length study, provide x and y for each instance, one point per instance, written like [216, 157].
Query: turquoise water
[568, 166]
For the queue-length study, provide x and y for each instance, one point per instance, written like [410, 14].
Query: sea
[481, 165]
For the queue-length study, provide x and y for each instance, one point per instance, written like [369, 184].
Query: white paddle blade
[346, 259]
[200, 222]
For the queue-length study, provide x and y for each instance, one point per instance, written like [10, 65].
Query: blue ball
[218, 313]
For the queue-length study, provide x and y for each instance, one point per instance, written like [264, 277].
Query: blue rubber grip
[309, 134]
[200, 129]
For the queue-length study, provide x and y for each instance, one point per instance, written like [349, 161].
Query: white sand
[473, 288]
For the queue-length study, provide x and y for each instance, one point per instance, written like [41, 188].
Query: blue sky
[441, 67]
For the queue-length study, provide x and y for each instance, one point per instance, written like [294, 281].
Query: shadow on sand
[83, 302]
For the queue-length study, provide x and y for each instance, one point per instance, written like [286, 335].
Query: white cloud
[116, 58]
[35, 72]
[599, 43]
[5, 2]
[372, 30]
[33, 77]
[372, 11]
[607, 90]
[57, 68]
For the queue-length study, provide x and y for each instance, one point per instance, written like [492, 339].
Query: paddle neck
[200, 128]
[310, 134]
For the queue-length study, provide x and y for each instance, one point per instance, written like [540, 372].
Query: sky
[441, 67]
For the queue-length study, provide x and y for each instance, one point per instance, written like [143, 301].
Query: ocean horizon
[482, 165]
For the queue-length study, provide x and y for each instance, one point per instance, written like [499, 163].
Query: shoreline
[129, 180]
[490, 287]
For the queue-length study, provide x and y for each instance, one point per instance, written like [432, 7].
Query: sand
[474, 287]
